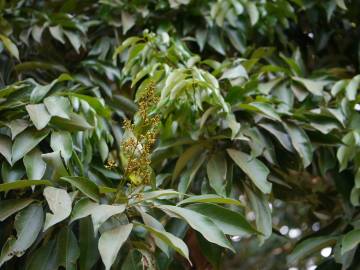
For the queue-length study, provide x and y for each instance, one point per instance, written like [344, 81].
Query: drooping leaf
[110, 243]
[99, 212]
[85, 185]
[350, 241]
[5, 148]
[229, 222]
[58, 106]
[200, 223]
[89, 253]
[260, 205]
[55, 162]
[216, 169]
[26, 141]
[28, 225]
[38, 115]
[21, 184]
[190, 153]
[62, 141]
[10, 46]
[34, 164]
[301, 143]
[59, 202]
[10, 207]
[254, 168]
[173, 241]
[209, 198]
[68, 249]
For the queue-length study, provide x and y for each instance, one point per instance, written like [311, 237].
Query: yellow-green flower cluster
[137, 148]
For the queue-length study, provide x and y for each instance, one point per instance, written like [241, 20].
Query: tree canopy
[179, 134]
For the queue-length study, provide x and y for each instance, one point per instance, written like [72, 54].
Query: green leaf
[189, 175]
[99, 212]
[85, 185]
[9, 207]
[200, 223]
[235, 72]
[34, 164]
[54, 161]
[17, 126]
[68, 249]
[260, 205]
[28, 225]
[110, 243]
[62, 141]
[38, 115]
[352, 88]
[89, 253]
[253, 12]
[309, 246]
[27, 141]
[96, 103]
[57, 33]
[216, 169]
[350, 241]
[313, 86]
[58, 106]
[229, 222]
[267, 109]
[5, 148]
[170, 239]
[127, 21]
[10, 46]
[209, 198]
[253, 167]
[59, 202]
[74, 39]
[301, 143]
[77, 122]
[279, 133]
[21, 184]
[154, 223]
[44, 258]
[341, 4]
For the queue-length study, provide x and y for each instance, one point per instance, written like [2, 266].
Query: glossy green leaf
[56, 163]
[110, 243]
[216, 169]
[28, 224]
[10, 207]
[68, 249]
[229, 222]
[34, 164]
[209, 198]
[173, 241]
[26, 141]
[85, 185]
[58, 106]
[10, 46]
[59, 202]
[5, 148]
[200, 223]
[301, 143]
[99, 212]
[350, 241]
[21, 184]
[62, 141]
[254, 168]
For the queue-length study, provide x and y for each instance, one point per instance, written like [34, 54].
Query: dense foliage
[174, 134]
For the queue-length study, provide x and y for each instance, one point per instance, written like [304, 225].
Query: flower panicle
[137, 149]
